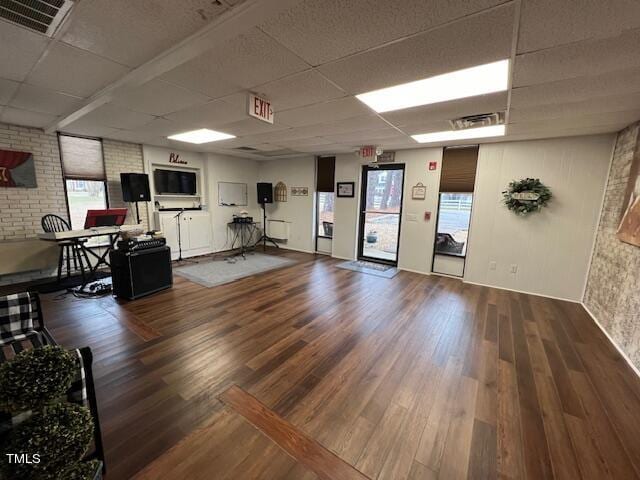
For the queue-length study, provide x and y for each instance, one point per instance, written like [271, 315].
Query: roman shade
[325, 178]
[81, 158]
[459, 169]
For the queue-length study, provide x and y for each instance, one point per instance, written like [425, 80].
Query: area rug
[370, 268]
[217, 272]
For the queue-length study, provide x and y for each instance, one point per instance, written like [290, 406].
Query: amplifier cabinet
[142, 272]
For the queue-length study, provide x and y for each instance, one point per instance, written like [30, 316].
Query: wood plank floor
[415, 377]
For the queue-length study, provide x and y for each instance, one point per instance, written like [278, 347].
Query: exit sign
[260, 108]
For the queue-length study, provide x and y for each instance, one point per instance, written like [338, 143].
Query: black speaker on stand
[265, 195]
[135, 188]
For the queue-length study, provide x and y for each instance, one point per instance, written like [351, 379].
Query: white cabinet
[195, 232]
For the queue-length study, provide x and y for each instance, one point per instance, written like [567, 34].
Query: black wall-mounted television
[175, 182]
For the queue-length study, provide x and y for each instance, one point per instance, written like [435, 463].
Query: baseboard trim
[613, 342]
[296, 249]
[522, 291]
[342, 258]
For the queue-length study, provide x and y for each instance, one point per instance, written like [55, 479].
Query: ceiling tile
[20, 50]
[248, 60]
[74, 71]
[211, 114]
[615, 103]
[575, 89]
[161, 127]
[305, 142]
[159, 98]
[576, 122]
[250, 126]
[26, 118]
[38, 99]
[114, 117]
[324, 112]
[491, 103]
[92, 131]
[549, 23]
[133, 32]
[473, 41]
[8, 88]
[298, 90]
[593, 57]
[323, 31]
[366, 137]
[427, 127]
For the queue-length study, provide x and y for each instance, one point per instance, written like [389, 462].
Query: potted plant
[372, 236]
[54, 433]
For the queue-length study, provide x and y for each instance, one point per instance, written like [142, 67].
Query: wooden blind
[81, 158]
[325, 179]
[459, 169]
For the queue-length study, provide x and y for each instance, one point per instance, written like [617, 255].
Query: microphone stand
[180, 259]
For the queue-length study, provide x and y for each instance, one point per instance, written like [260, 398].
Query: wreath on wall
[527, 195]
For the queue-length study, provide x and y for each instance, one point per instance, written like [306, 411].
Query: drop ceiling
[126, 71]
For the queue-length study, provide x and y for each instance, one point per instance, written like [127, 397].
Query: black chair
[68, 248]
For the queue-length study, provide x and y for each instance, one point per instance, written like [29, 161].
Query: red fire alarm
[433, 165]
[427, 216]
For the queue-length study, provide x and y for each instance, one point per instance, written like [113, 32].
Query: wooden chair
[68, 249]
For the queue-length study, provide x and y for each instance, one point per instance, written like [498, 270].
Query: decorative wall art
[526, 196]
[280, 192]
[346, 189]
[629, 228]
[17, 169]
[299, 191]
[418, 191]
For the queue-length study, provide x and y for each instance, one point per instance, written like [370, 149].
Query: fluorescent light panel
[204, 135]
[481, 132]
[469, 82]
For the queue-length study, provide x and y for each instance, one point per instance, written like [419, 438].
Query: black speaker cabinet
[139, 273]
[265, 193]
[135, 187]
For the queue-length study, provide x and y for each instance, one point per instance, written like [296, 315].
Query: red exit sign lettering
[260, 108]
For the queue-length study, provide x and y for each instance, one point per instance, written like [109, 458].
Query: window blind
[325, 179]
[81, 158]
[459, 169]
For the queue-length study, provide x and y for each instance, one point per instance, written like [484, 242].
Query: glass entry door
[381, 210]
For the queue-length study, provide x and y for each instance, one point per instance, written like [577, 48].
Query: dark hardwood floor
[415, 377]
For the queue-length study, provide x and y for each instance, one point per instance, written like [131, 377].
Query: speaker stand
[265, 238]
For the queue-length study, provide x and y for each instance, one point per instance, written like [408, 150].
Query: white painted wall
[298, 210]
[345, 216]
[223, 168]
[552, 248]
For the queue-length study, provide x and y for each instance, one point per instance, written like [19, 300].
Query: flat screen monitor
[109, 217]
[176, 182]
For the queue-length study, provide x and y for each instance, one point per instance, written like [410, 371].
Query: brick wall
[120, 157]
[22, 208]
[613, 292]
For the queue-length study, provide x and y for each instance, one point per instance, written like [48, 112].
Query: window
[85, 179]
[325, 214]
[454, 217]
[83, 195]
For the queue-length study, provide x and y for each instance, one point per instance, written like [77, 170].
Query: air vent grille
[38, 15]
[246, 149]
[477, 120]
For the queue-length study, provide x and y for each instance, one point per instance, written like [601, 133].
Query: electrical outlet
[492, 265]
[514, 268]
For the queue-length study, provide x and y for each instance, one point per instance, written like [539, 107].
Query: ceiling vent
[42, 16]
[477, 120]
[246, 149]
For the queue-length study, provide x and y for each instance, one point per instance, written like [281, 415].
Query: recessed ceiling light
[204, 135]
[481, 132]
[469, 82]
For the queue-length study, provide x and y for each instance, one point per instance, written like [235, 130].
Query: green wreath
[527, 195]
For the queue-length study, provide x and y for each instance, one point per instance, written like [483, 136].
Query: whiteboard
[232, 194]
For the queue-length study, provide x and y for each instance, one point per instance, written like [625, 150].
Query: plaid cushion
[16, 317]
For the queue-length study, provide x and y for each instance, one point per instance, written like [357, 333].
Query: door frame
[363, 204]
